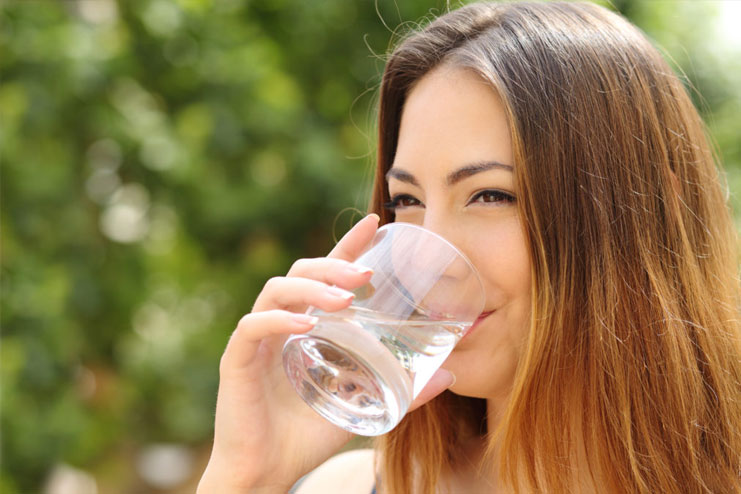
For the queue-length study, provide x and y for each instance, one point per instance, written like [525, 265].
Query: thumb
[441, 380]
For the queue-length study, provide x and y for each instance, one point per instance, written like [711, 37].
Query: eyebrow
[453, 177]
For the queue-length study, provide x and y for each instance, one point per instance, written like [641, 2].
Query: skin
[453, 120]
[265, 438]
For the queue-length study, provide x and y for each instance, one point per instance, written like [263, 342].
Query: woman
[555, 147]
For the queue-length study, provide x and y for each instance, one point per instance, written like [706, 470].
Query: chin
[458, 392]
[476, 377]
[468, 383]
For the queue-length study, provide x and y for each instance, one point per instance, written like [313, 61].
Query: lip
[475, 324]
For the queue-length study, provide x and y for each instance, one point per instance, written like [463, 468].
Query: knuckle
[275, 314]
[243, 322]
[298, 266]
[223, 364]
[273, 282]
[247, 322]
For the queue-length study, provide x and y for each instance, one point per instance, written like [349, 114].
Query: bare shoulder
[347, 473]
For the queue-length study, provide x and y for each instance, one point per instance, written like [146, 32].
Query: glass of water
[361, 367]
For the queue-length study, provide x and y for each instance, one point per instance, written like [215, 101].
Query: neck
[583, 480]
[470, 473]
[476, 467]
[495, 410]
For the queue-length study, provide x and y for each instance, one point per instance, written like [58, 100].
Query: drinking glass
[361, 367]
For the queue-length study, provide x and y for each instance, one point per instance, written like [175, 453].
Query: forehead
[452, 117]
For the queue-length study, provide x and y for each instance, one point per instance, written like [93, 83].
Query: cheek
[503, 261]
[514, 266]
[485, 363]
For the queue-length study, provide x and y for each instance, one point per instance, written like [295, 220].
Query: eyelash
[499, 196]
[395, 202]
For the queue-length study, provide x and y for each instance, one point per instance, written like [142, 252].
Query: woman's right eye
[401, 201]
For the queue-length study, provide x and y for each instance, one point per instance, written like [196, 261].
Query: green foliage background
[160, 160]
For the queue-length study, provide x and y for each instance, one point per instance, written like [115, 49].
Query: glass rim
[450, 244]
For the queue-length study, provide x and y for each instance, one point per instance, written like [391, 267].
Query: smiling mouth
[475, 324]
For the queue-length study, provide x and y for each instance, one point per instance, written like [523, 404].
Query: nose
[446, 226]
[441, 224]
[457, 291]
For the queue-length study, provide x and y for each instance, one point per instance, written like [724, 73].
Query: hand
[265, 436]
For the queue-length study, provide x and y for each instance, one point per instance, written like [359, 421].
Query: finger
[441, 380]
[354, 242]
[297, 293]
[256, 326]
[331, 271]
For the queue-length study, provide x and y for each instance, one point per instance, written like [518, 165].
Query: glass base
[365, 390]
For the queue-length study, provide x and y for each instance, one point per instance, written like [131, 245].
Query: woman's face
[453, 175]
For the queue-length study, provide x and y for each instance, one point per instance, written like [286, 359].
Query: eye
[401, 201]
[493, 196]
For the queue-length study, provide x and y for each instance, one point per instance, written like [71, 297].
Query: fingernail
[374, 215]
[355, 268]
[305, 319]
[452, 378]
[340, 293]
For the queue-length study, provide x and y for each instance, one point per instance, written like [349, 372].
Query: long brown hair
[633, 357]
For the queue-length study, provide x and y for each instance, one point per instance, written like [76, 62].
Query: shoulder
[347, 473]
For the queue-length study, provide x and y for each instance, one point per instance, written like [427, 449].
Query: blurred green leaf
[160, 161]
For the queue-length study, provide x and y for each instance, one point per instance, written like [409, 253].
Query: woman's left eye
[493, 196]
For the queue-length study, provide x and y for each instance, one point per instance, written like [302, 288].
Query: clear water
[361, 369]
